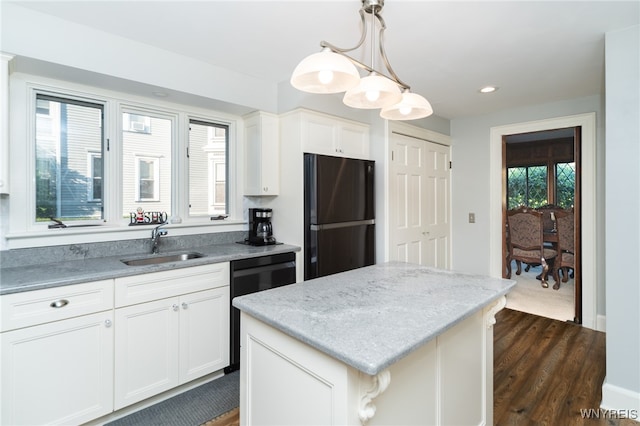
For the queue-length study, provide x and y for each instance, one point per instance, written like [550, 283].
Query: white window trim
[23, 232]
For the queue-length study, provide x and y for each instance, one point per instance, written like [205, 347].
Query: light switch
[472, 218]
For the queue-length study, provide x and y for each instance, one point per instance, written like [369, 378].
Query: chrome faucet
[155, 237]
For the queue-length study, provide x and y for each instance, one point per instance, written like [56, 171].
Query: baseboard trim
[601, 323]
[620, 399]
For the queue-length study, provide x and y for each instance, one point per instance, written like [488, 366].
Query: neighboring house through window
[147, 161]
[66, 129]
[208, 146]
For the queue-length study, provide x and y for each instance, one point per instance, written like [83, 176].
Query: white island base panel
[447, 381]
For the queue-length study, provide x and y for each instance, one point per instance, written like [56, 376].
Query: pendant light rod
[333, 71]
[373, 7]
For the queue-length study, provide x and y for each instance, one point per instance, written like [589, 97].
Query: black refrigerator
[339, 218]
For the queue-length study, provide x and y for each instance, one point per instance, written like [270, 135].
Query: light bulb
[325, 76]
[372, 95]
[405, 110]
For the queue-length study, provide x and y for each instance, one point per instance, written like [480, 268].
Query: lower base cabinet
[58, 373]
[73, 354]
[165, 343]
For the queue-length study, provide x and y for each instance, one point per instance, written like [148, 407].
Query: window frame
[24, 232]
[527, 192]
[212, 165]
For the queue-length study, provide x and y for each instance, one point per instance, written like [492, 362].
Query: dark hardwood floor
[545, 372]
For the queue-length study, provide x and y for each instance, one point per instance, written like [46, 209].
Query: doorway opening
[591, 217]
[542, 171]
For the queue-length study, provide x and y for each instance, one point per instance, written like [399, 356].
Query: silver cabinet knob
[59, 303]
[184, 305]
[107, 323]
[175, 307]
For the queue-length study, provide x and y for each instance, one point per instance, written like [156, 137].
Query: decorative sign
[140, 217]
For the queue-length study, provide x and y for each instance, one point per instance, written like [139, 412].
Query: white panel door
[438, 202]
[419, 195]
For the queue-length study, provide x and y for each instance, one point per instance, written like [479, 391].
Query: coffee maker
[260, 228]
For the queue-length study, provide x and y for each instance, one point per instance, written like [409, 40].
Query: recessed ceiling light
[488, 89]
[160, 94]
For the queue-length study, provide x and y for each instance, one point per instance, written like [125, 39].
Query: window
[208, 144]
[97, 156]
[565, 184]
[148, 179]
[526, 186]
[66, 129]
[95, 177]
[146, 164]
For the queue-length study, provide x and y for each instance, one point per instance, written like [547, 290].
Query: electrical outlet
[472, 218]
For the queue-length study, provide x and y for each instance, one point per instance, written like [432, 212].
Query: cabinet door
[262, 154]
[59, 372]
[332, 136]
[204, 333]
[147, 346]
[319, 135]
[353, 141]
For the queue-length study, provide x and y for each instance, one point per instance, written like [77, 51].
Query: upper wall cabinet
[324, 134]
[262, 153]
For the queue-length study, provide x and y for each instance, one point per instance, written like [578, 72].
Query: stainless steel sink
[158, 258]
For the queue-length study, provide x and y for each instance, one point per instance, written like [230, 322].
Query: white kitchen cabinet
[204, 333]
[262, 153]
[147, 348]
[56, 359]
[323, 134]
[161, 343]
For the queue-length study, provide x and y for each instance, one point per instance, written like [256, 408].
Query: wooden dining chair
[526, 243]
[565, 259]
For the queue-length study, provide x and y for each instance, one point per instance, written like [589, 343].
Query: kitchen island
[393, 343]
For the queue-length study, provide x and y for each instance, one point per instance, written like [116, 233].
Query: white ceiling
[535, 52]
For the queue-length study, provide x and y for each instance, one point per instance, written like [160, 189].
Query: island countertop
[369, 318]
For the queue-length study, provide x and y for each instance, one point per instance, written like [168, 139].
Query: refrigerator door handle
[342, 224]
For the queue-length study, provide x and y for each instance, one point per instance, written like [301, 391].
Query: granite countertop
[35, 277]
[369, 318]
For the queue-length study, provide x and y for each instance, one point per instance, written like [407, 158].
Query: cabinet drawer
[159, 285]
[53, 304]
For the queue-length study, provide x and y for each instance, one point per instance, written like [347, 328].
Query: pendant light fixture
[333, 71]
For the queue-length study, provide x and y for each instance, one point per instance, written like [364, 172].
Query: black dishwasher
[250, 276]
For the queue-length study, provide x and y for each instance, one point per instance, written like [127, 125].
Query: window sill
[103, 233]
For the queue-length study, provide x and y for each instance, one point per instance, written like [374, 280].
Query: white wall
[49, 39]
[622, 385]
